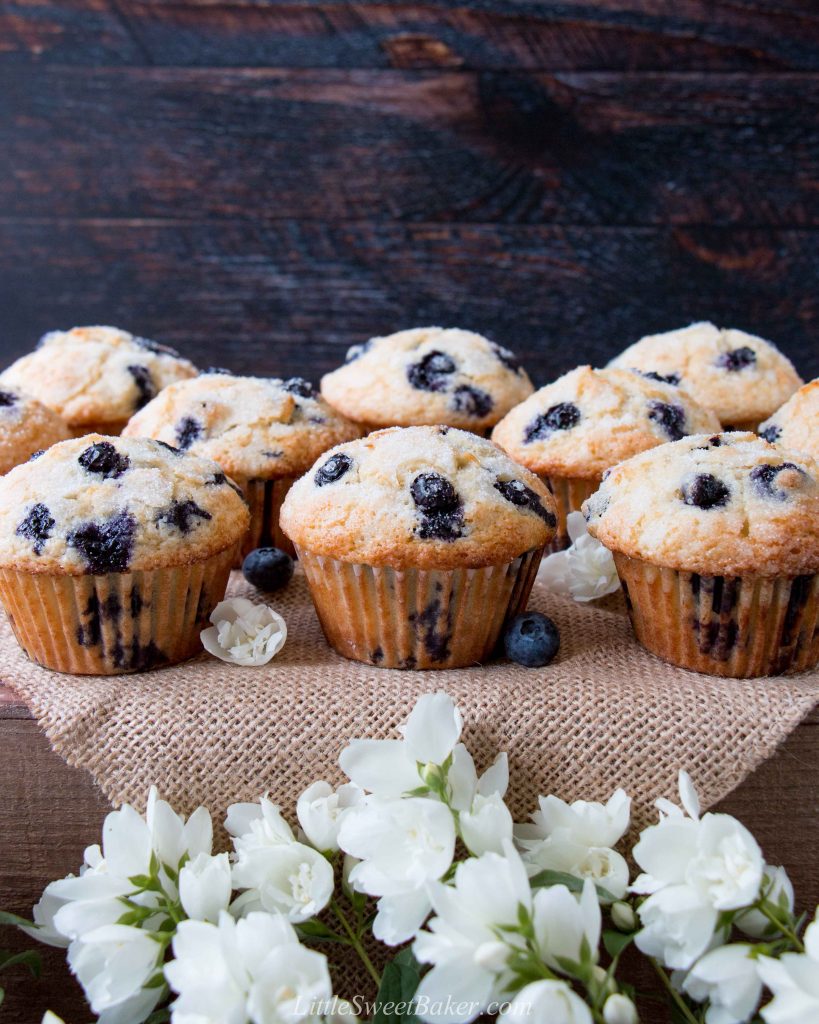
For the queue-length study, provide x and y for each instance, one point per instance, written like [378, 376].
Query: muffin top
[726, 504]
[419, 497]
[590, 419]
[100, 504]
[796, 424]
[253, 427]
[427, 375]
[741, 377]
[26, 427]
[96, 374]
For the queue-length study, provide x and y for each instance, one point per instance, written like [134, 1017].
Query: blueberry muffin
[570, 432]
[716, 541]
[796, 424]
[741, 377]
[96, 377]
[427, 375]
[264, 433]
[418, 544]
[114, 551]
[26, 427]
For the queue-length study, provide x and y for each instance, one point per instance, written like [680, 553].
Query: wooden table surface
[49, 813]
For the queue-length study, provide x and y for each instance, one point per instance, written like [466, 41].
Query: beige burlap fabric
[605, 714]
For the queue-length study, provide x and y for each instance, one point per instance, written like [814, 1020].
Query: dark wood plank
[572, 34]
[289, 298]
[450, 146]
[50, 812]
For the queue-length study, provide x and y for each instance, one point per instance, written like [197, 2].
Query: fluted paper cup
[739, 626]
[569, 493]
[116, 622]
[264, 498]
[417, 618]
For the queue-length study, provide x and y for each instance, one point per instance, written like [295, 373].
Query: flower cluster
[524, 921]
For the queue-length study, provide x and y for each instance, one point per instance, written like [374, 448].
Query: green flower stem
[676, 998]
[781, 927]
[355, 942]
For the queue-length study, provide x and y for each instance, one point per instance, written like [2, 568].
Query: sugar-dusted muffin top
[741, 377]
[796, 424]
[93, 375]
[728, 504]
[254, 427]
[427, 375]
[100, 504]
[419, 497]
[26, 427]
[590, 419]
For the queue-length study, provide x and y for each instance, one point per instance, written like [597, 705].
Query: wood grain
[266, 145]
[573, 34]
[50, 812]
[289, 297]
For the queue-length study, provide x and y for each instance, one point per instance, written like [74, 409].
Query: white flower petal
[380, 766]
[433, 728]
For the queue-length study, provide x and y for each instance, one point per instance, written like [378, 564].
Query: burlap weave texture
[606, 713]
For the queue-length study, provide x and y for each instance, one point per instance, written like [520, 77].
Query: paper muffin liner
[569, 493]
[116, 622]
[417, 618]
[265, 497]
[737, 626]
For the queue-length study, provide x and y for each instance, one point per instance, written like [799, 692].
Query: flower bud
[432, 776]
[623, 917]
[619, 1009]
[492, 956]
[601, 977]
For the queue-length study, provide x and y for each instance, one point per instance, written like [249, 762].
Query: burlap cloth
[605, 714]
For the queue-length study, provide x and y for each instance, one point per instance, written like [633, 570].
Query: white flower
[486, 825]
[577, 839]
[173, 839]
[728, 978]
[205, 886]
[462, 941]
[547, 1002]
[251, 971]
[114, 964]
[677, 926]
[584, 571]
[320, 810]
[794, 981]
[244, 633]
[778, 891]
[464, 784]
[291, 878]
[567, 928]
[44, 929]
[401, 846]
[256, 825]
[619, 1009]
[390, 767]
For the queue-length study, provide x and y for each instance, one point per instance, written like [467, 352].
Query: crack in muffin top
[254, 427]
[724, 504]
[419, 497]
[426, 376]
[589, 420]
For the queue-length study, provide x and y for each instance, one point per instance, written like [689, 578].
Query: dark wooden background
[264, 183]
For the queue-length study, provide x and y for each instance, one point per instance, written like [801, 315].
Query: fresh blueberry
[299, 386]
[36, 527]
[507, 358]
[562, 416]
[432, 372]
[357, 351]
[103, 458]
[180, 515]
[7, 398]
[471, 401]
[662, 378]
[268, 568]
[737, 359]
[442, 516]
[333, 469]
[188, 430]
[156, 347]
[764, 480]
[146, 389]
[705, 491]
[519, 494]
[106, 546]
[531, 639]
[670, 417]
[771, 433]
